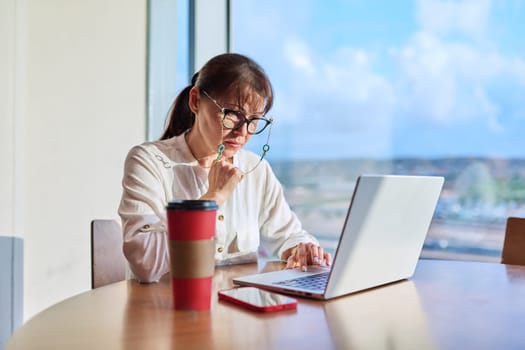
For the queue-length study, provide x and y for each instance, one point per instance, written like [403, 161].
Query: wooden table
[446, 305]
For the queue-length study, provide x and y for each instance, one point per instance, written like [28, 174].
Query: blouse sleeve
[280, 227]
[143, 216]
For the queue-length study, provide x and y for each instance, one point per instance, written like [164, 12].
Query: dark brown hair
[222, 75]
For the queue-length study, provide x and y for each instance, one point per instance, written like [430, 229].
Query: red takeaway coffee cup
[191, 233]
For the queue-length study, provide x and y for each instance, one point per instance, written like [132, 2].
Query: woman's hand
[222, 180]
[305, 254]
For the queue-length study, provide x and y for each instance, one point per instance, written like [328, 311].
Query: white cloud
[297, 54]
[439, 80]
[443, 17]
[342, 87]
[446, 82]
[449, 73]
[335, 100]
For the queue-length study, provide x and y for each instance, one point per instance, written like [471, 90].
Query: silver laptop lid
[384, 231]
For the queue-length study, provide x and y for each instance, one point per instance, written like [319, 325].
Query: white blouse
[158, 172]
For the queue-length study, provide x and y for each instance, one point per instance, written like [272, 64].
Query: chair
[514, 244]
[108, 264]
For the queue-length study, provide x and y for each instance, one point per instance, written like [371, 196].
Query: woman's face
[227, 121]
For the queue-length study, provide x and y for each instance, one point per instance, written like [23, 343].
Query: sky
[383, 79]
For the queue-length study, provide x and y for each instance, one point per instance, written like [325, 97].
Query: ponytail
[180, 116]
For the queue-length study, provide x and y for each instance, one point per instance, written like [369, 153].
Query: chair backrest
[514, 244]
[108, 264]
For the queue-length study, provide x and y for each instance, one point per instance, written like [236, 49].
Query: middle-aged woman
[200, 156]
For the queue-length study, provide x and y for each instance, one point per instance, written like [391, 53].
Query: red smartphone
[258, 299]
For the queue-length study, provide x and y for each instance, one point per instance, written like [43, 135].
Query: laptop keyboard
[313, 282]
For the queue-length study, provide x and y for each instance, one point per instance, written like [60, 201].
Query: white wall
[7, 67]
[72, 104]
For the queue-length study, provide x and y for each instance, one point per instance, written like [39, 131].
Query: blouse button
[220, 217]
[219, 249]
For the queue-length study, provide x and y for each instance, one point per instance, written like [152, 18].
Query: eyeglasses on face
[234, 120]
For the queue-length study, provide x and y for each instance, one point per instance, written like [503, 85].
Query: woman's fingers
[328, 259]
[223, 178]
[305, 254]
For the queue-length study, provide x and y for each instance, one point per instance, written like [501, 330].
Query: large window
[402, 87]
[431, 87]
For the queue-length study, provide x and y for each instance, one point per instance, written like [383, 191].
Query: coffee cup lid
[192, 204]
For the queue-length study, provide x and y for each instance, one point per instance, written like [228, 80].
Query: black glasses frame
[239, 114]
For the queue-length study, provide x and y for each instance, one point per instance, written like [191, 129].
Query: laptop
[382, 237]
